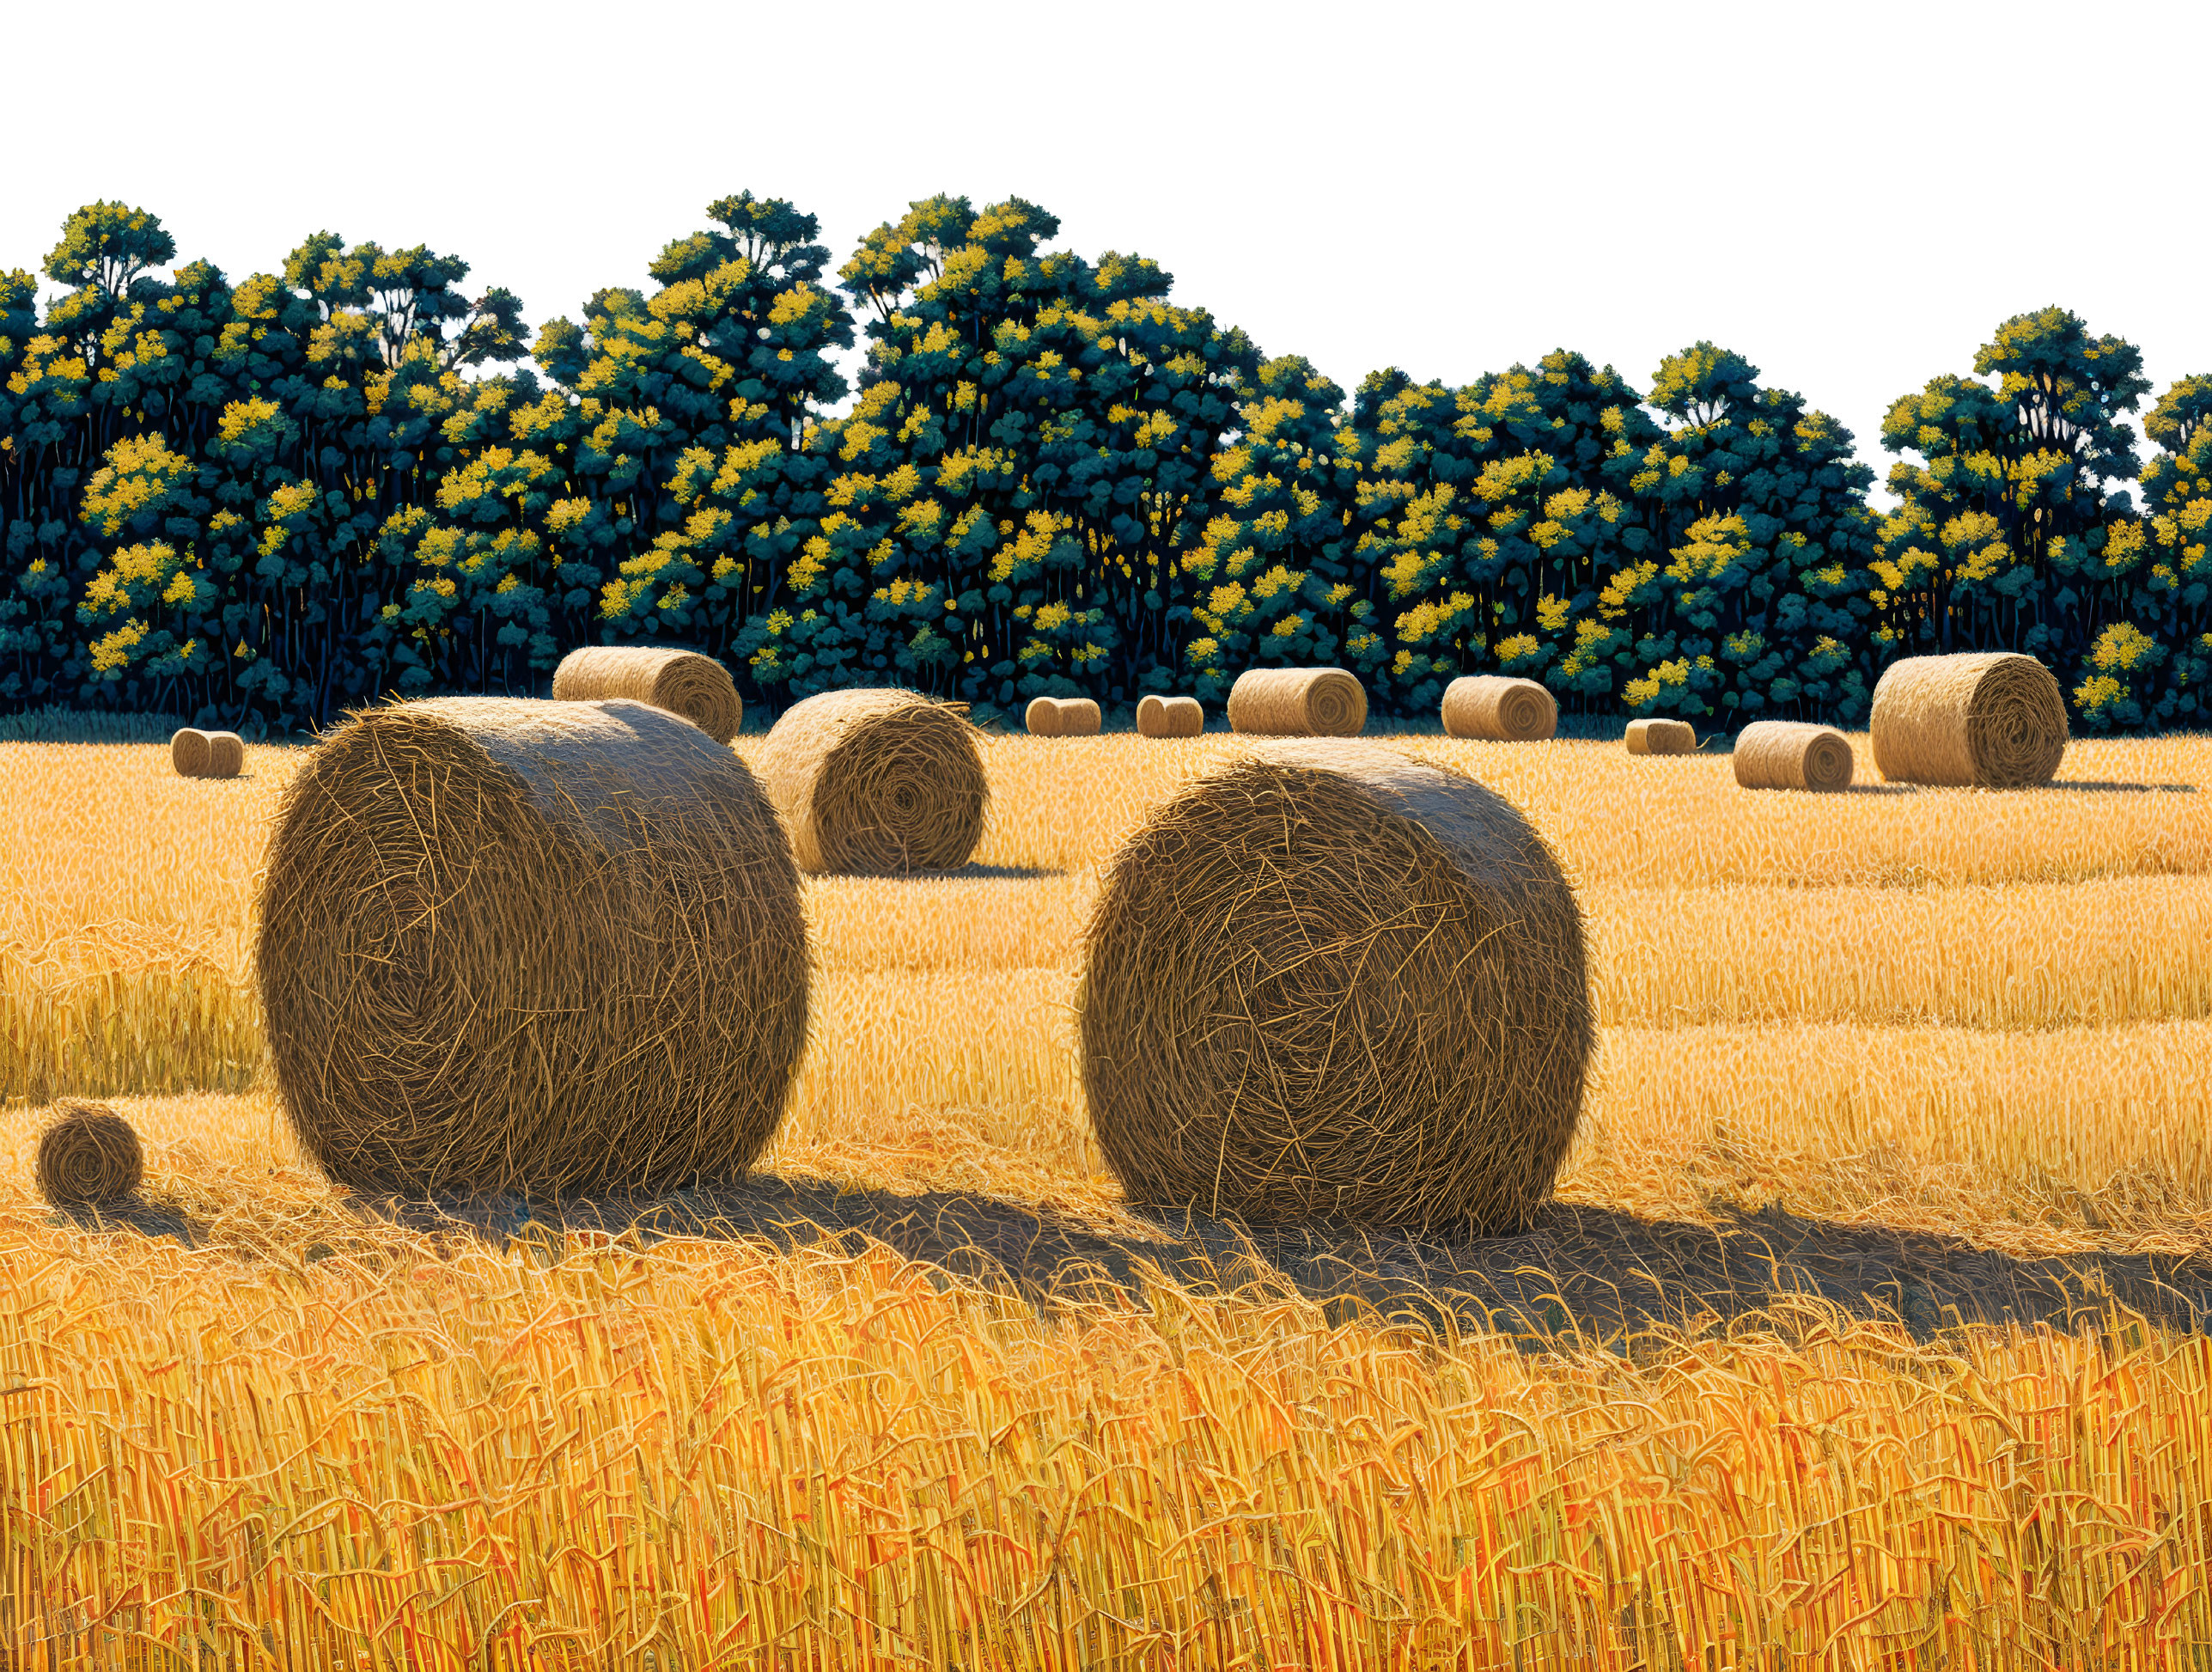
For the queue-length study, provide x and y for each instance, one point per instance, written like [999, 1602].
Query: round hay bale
[1042, 717]
[1079, 717]
[1789, 755]
[188, 752]
[88, 1156]
[877, 782]
[1994, 720]
[1170, 717]
[1504, 710]
[1297, 702]
[682, 682]
[1328, 980]
[553, 947]
[1661, 737]
[226, 754]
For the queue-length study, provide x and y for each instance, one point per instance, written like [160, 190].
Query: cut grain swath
[548, 947]
[684, 682]
[1332, 980]
[877, 782]
[1996, 721]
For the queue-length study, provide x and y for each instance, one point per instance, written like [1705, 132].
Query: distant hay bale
[553, 947]
[1661, 737]
[226, 754]
[88, 1156]
[196, 754]
[1510, 711]
[1994, 720]
[1297, 702]
[1789, 755]
[682, 682]
[1062, 716]
[1328, 980]
[877, 782]
[1170, 717]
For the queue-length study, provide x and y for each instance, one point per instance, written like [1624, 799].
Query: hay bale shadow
[150, 1219]
[1593, 1273]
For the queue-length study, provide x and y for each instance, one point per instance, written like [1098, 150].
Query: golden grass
[316, 1438]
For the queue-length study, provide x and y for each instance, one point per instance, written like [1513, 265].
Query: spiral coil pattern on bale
[1297, 702]
[1329, 980]
[877, 782]
[88, 1156]
[553, 947]
[1507, 711]
[1996, 721]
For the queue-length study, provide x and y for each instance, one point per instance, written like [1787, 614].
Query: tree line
[261, 502]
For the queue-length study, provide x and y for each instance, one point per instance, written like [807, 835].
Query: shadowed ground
[1598, 1272]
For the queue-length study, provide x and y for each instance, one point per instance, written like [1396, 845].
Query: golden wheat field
[1868, 1329]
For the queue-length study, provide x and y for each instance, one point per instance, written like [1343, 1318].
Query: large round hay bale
[88, 1156]
[684, 682]
[1997, 720]
[1297, 702]
[1509, 711]
[878, 782]
[1042, 717]
[554, 948]
[1170, 717]
[1661, 737]
[1328, 980]
[1789, 755]
[1079, 716]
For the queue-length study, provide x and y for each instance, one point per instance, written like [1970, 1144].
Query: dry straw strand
[1491, 706]
[1297, 702]
[878, 781]
[1170, 717]
[1661, 737]
[555, 947]
[684, 682]
[1042, 717]
[1329, 980]
[1791, 754]
[1994, 720]
[88, 1156]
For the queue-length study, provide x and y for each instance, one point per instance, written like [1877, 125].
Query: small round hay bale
[682, 682]
[1661, 737]
[188, 752]
[1509, 710]
[1328, 980]
[226, 754]
[877, 782]
[1297, 702]
[1042, 717]
[1994, 720]
[88, 1156]
[553, 947]
[1789, 755]
[1079, 717]
[1170, 717]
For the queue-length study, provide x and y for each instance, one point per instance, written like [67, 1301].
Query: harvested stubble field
[1868, 1330]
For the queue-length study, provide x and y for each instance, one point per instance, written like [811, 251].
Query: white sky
[1852, 197]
